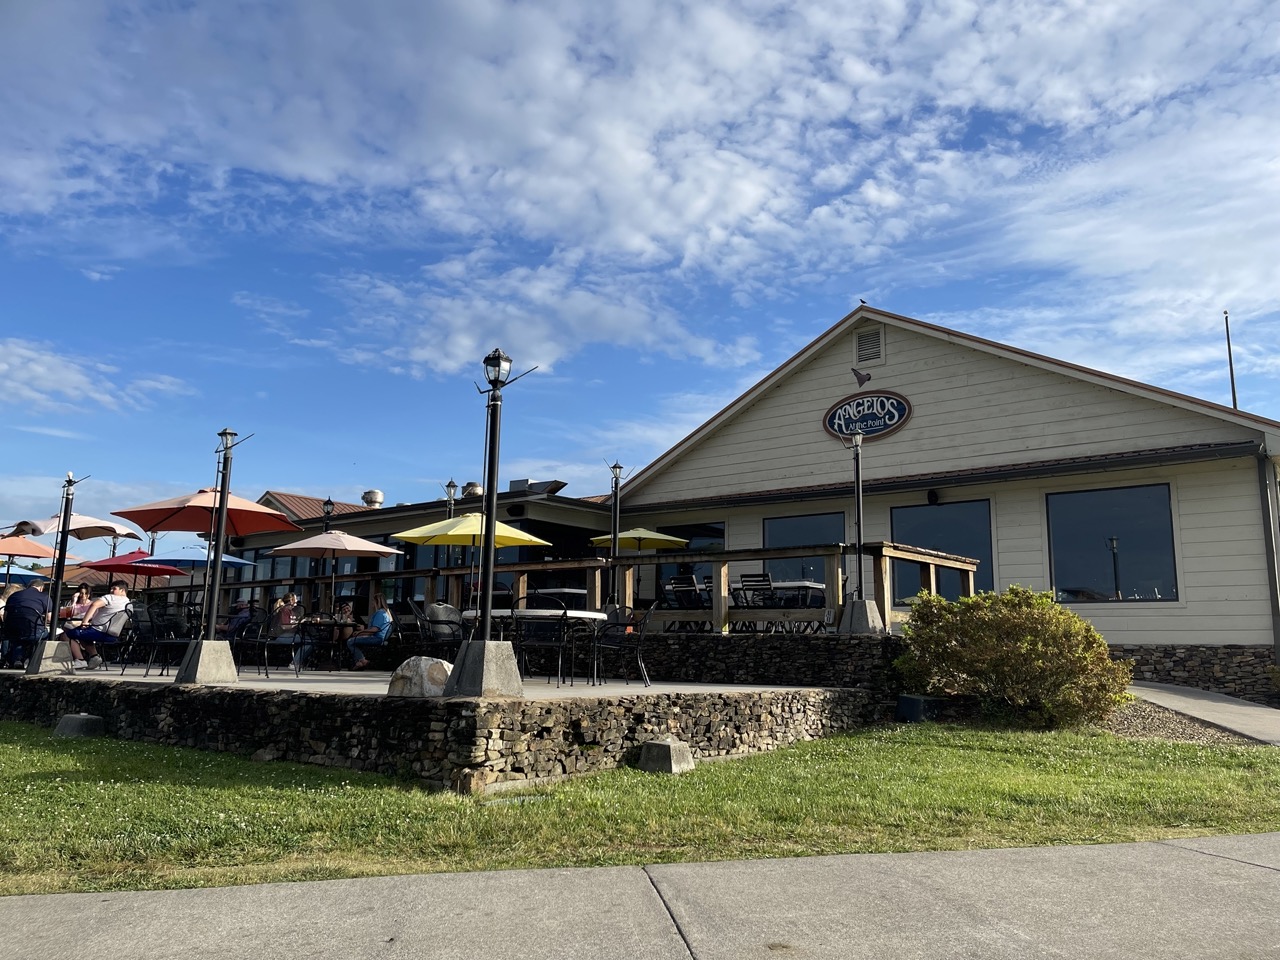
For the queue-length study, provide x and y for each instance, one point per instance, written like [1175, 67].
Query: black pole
[60, 561]
[857, 510]
[1231, 364]
[615, 525]
[488, 549]
[213, 583]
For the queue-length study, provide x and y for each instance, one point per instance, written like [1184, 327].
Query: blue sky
[309, 221]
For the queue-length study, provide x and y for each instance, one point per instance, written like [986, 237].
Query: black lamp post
[37, 659]
[486, 668]
[327, 507]
[853, 441]
[497, 371]
[208, 658]
[450, 494]
[615, 524]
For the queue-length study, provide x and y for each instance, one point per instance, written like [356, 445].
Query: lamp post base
[208, 661]
[485, 669]
[861, 618]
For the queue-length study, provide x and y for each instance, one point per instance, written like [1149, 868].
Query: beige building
[1151, 513]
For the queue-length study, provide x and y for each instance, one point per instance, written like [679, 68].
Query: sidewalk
[1250, 719]
[1211, 897]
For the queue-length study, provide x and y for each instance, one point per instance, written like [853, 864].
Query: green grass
[101, 814]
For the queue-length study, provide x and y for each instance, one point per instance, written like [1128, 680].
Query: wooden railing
[720, 614]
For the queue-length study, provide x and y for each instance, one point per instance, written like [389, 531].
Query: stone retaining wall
[459, 744]
[1233, 669]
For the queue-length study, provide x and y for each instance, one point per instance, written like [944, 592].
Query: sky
[309, 221]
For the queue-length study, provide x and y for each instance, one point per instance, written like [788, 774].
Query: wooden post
[720, 596]
[831, 576]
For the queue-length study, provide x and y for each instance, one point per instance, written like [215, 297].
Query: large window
[801, 532]
[1112, 544]
[704, 537]
[962, 528]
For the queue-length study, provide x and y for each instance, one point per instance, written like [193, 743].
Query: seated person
[26, 622]
[240, 616]
[375, 634]
[80, 605]
[284, 617]
[85, 638]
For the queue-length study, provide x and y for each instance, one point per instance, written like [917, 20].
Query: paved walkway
[1251, 719]
[1213, 897]
[1202, 898]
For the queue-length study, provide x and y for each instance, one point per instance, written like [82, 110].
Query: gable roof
[866, 314]
[297, 506]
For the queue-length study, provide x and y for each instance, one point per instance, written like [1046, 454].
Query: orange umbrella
[197, 512]
[22, 547]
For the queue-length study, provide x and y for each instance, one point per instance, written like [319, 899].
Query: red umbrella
[135, 563]
[196, 512]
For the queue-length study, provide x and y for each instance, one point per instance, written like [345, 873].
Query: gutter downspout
[1267, 490]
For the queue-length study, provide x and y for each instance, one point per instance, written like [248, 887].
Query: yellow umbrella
[467, 530]
[641, 539]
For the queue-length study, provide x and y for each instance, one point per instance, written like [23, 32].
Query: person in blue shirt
[375, 634]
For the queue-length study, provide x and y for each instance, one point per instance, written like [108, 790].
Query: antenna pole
[1231, 366]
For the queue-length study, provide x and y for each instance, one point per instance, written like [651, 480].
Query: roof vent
[372, 499]
[870, 345]
[472, 489]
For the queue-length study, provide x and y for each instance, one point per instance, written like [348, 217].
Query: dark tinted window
[962, 528]
[1112, 544]
[801, 532]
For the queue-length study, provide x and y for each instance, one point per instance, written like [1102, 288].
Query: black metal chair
[18, 641]
[622, 632]
[443, 633]
[687, 595]
[548, 629]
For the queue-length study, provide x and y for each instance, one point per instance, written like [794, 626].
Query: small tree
[1018, 652]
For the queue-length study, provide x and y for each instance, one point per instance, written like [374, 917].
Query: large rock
[420, 677]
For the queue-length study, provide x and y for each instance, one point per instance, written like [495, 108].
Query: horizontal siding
[971, 410]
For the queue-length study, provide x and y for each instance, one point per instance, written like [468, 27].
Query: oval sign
[878, 414]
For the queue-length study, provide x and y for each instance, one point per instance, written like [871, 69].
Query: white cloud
[582, 174]
[42, 381]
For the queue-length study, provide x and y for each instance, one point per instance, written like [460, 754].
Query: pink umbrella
[333, 544]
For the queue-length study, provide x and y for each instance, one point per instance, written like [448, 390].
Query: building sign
[878, 414]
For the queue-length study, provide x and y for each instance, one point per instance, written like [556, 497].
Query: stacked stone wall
[1236, 670]
[458, 744]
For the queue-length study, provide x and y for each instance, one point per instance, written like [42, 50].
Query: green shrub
[1018, 652]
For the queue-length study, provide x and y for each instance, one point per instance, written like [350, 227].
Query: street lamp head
[497, 369]
[853, 441]
[328, 506]
[451, 489]
[616, 469]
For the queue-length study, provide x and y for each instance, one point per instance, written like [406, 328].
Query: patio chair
[18, 640]
[545, 631]
[687, 595]
[443, 633]
[622, 632]
[269, 635]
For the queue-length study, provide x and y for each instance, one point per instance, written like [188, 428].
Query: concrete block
[80, 725]
[667, 755]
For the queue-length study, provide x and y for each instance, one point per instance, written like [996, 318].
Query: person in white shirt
[85, 638]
